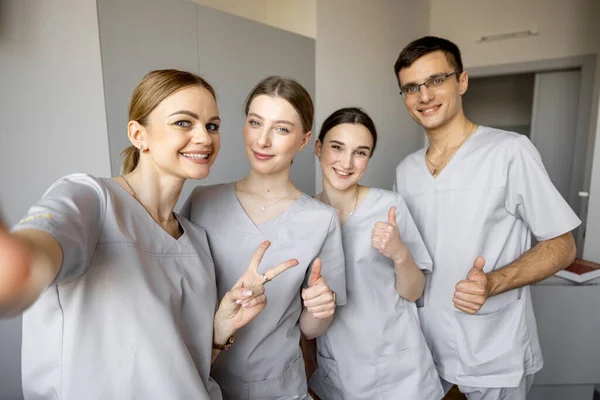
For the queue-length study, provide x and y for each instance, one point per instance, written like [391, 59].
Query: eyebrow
[194, 115]
[279, 121]
[342, 144]
[430, 77]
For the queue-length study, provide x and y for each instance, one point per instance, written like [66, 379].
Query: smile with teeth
[429, 110]
[341, 173]
[196, 156]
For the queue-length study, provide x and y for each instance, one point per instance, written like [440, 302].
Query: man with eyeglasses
[477, 194]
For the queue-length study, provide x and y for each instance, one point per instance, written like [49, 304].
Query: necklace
[135, 196]
[326, 201]
[436, 168]
[353, 207]
[264, 207]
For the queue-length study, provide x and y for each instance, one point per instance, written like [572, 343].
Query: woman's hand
[385, 237]
[319, 299]
[247, 297]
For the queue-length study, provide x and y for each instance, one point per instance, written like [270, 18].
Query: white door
[554, 132]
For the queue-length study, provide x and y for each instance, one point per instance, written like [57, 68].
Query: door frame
[584, 136]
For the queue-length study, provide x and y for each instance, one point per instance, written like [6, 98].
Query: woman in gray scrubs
[266, 362]
[374, 348]
[119, 291]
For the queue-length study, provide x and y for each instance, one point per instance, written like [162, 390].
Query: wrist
[491, 284]
[222, 330]
[401, 259]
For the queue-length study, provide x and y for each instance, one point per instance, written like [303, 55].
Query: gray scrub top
[130, 314]
[488, 200]
[265, 362]
[374, 348]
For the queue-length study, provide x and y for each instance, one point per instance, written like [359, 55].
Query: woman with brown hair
[266, 362]
[120, 291]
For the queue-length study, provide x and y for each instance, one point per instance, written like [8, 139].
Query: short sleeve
[333, 266]
[411, 237]
[531, 196]
[72, 211]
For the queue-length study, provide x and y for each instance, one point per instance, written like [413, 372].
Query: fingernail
[247, 292]
[239, 301]
[245, 305]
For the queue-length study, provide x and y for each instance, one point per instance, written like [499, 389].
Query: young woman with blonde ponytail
[118, 292]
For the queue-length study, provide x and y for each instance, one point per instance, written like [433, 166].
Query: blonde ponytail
[131, 158]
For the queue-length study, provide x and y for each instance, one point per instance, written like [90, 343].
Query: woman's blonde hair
[154, 87]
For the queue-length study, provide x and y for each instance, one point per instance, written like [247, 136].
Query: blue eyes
[257, 124]
[210, 127]
[183, 124]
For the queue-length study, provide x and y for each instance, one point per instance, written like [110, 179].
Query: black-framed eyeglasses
[434, 81]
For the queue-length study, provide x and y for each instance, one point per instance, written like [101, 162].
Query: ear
[305, 140]
[136, 134]
[463, 82]
[318, 148]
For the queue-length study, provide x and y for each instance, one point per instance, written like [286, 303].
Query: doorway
[549, 102]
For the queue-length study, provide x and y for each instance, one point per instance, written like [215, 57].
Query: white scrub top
[493, 194]
[265, 362]
[374, 348]
[130, 314]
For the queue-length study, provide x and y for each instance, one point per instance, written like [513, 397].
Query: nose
[264, 139]
[346, 161]
[425, 94]
[202, 136]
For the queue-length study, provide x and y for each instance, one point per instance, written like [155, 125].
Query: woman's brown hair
[289, 90]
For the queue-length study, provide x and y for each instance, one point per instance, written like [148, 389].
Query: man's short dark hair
[425, 45]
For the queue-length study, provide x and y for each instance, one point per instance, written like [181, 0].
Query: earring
[143, 149]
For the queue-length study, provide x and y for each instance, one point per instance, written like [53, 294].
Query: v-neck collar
[257, 227]
[139, 209]
[456, 155]
[358, 209]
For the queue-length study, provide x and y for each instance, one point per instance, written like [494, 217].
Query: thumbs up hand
[471, 293]
[318, 299]
[385, 237]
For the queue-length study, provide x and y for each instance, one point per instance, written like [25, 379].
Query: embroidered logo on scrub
[34, 217]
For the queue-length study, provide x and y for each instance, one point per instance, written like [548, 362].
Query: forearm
[309, 353]
[410, 280]
[30, 262]
[542, 261]
[312, 327]
[222, 331]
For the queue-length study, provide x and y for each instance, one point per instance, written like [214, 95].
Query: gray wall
[232, 53]
[52, 119]
[358, 42]
[137, 36]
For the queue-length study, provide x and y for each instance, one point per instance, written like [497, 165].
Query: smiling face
[181, 134]
[437, 106]
[273, 134]
[344, 154]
